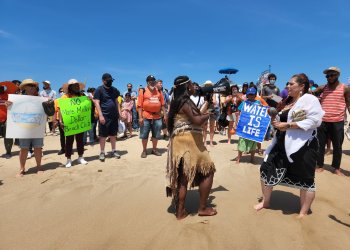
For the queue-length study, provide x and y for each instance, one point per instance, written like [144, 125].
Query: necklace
[290, 105]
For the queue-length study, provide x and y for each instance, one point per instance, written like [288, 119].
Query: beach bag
[49, 107]
[222, 121]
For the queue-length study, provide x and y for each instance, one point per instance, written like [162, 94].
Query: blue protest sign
[253, 122]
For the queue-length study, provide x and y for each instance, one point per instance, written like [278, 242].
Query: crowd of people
[308, 118]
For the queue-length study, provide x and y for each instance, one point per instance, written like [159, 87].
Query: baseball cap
[107, 76]
[150, 78]
[251, 91]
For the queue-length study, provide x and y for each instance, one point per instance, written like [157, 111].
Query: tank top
[333, 103]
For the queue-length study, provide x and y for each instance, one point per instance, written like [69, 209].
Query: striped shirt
[333, 103]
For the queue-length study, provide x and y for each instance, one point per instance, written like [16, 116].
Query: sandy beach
[121, 204]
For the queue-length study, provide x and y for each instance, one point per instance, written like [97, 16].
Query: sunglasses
[331, 75]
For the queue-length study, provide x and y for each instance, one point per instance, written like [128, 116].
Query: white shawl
[296, 138]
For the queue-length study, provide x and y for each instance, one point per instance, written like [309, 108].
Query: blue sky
[59, 40]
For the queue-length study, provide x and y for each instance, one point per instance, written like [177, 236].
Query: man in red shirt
[150, 104]
[6, 88]
[334, 98]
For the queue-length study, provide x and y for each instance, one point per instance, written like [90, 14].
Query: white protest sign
[26, 117]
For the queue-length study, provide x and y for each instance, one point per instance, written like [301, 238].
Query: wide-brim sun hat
[27, 82]
[70, 82]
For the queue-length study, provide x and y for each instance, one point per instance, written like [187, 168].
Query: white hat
[47, 82]
[208, 83]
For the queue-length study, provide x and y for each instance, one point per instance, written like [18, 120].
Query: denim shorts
[151, 125]
[34, 142]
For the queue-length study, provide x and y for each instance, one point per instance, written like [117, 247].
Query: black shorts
[110, 128]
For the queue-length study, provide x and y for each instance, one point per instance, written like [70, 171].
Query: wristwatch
[289, 125]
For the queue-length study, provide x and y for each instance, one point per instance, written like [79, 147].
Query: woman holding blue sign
[245, 145]
[291, 158]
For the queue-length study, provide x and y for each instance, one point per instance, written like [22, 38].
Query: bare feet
[39, 170]
[300, 216]
[208, 211]
[181, 215]
[21, 173]
[319, 169]
[260, 206]
[237, 161]
[338, 172]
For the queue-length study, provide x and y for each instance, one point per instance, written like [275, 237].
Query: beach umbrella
[228, 71]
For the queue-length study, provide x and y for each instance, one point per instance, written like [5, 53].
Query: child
[245, 145]
[127, 106]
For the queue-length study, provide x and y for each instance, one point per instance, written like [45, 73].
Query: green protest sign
[76, 114]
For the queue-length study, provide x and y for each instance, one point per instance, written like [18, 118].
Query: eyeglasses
[331, 75]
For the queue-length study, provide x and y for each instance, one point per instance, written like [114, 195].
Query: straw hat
[27, 82]
[331, 69]
[70, 82]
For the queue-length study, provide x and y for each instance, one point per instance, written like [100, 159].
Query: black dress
[300, 173]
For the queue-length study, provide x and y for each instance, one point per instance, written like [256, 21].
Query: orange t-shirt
[57, 106]
[11, 88]
[151, 103]
[263, 102]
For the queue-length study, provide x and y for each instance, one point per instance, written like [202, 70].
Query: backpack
[49, 107]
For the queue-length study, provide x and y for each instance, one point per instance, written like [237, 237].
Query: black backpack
[49, 107]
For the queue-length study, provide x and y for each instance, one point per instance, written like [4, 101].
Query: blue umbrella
[228, 71]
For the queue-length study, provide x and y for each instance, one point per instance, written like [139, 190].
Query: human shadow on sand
[47, 166]
[1, 183]
[331, 169]
[192, 200]
[287, 202]
[337, 220]
[233, 141]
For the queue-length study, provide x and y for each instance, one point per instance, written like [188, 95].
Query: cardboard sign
[26, 117]
[76, 114]
[253, 122]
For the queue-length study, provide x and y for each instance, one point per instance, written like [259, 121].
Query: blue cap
[251, 91]
[311, 81]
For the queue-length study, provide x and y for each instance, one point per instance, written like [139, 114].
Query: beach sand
[121, 204]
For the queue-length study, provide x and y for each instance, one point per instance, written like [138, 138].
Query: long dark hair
[300, 79]
[71, 92]
[181, 95]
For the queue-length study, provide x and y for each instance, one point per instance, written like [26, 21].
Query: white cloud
[4, 34]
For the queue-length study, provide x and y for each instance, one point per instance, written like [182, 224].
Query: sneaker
[144, 154]
[61, 152]
[82, 161]
[121, 135]
[29, 155]
[347, 133]
[115, 154]
[102, 157]
[7, 155]
[69, 163]
[155, 152]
